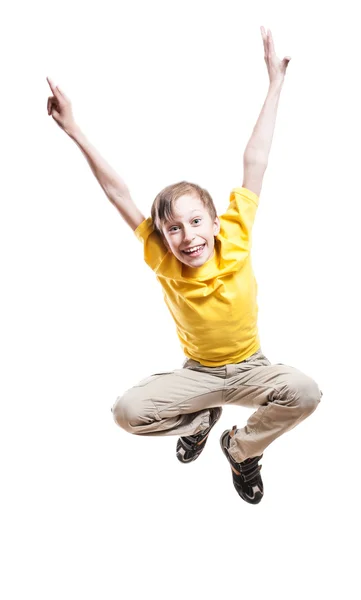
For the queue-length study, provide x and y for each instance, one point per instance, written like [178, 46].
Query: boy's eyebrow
[190, 213]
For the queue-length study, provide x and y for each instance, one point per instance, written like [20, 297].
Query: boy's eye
[173, 228]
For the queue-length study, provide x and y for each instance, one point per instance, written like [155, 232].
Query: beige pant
[178, 402]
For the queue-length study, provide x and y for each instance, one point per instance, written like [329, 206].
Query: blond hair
[163, 205]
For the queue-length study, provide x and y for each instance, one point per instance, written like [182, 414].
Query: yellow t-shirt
[214, 306]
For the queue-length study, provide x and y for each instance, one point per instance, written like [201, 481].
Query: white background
[169, 91]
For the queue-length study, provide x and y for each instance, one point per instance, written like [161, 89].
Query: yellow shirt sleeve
[239, 218]
[154, 248]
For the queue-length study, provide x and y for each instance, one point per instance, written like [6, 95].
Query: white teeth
[190, 250]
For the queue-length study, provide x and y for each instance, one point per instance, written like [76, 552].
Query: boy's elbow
[257, 159]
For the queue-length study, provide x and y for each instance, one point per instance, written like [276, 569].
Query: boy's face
[190, 233]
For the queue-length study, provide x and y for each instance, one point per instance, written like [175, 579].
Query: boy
[203, 264]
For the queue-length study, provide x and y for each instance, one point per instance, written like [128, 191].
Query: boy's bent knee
[123, 413]
[128, 413]
[302, 391]
[309, 395]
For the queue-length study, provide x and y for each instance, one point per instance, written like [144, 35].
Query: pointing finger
[270, 41]
[264, 38]
[51, 83]
[56, 92]
[62, 93]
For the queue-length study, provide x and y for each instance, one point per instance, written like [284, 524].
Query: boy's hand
[276, 67]
[59, 107]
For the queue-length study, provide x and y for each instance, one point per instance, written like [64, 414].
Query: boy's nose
[189, 236]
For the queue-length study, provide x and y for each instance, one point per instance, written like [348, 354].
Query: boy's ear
[216, 226]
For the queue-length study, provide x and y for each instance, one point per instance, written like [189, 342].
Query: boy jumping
[203, 264]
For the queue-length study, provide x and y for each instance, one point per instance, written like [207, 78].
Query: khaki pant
[178, 402]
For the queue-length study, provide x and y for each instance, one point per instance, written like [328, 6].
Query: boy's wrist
[74, 131]
[276, 85]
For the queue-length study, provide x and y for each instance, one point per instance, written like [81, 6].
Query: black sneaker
[190, 447]
[246, 475]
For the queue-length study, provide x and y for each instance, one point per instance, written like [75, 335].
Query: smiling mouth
[194, 251]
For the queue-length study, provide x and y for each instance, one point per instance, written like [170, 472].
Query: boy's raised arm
[59, 107]
[255, 158]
